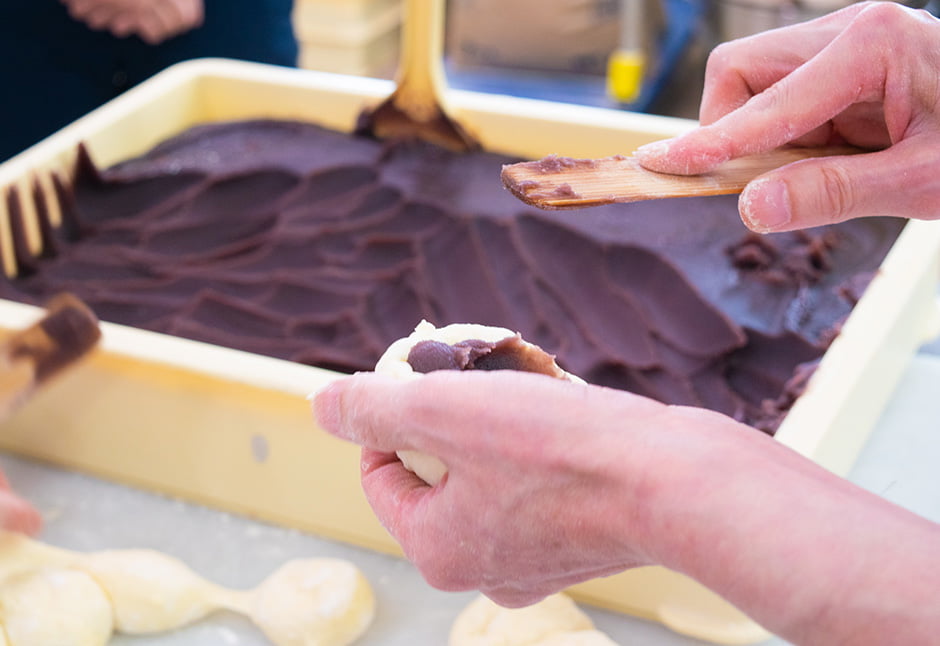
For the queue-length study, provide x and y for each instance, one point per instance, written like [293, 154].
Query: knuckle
[721, 59]
[880, 18]
[838, 200]
[776, 94]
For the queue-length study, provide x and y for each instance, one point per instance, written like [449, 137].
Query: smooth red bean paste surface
[294, 241]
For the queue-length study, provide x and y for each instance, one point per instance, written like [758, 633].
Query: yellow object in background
[641, 24]
[625, 72]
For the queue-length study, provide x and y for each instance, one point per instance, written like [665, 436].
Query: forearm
[810, 556]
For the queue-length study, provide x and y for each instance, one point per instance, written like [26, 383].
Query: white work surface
[900, 463]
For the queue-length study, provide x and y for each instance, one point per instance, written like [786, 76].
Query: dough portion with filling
[395, 362]
[554, 621]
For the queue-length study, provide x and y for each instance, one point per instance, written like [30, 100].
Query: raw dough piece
[19, 553]
[54, 607]
[151, 592]
[578, 638]
[554, 621]
[394, 362]
[321, 602]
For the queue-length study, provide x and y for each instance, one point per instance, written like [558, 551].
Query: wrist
[696, 469]
[807, 554]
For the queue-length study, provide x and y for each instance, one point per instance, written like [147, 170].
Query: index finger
[739, 69]
[808, 97]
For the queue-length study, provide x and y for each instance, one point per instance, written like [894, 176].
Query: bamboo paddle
[565, 183]
[416, 108]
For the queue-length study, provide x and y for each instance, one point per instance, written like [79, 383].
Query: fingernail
[651, 153]
[765, 205]
[653, 150]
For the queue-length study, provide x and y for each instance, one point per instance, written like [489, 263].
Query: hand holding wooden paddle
[773, 106]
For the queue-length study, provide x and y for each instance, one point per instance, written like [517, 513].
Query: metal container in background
[739, 18]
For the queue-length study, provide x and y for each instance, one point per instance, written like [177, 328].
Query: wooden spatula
[416, 108]
[565, 183]
[32, 357]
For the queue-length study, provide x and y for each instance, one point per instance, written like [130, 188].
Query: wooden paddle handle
[565, 183]
[420, 78]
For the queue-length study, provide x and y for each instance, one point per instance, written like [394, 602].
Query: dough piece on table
[54, 607]
[19, 553]
[578, 638]
[395, 362]
[151, 592]
[554, 621]
[322, 602]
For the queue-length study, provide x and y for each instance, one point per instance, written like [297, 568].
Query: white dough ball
[19, 553]
[484, 623]
[394, 362]
[54, 607]
[578, 638]
[313, 602]
[151, 592]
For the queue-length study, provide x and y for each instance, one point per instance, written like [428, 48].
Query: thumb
[366, 408]
[899, 181]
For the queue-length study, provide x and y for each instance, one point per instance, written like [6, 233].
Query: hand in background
[868, 75]
[15, 513]
[154, 21]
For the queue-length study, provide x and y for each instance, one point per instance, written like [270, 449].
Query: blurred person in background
[63, 58]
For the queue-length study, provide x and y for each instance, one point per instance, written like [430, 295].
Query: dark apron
[54, 69]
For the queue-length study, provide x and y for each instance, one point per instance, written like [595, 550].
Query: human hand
[154, 21]
[546, 479]
[866, 75]
[15, 513]
[551, 483]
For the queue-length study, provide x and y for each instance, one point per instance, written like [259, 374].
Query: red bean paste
[294, 241]
[511, 353]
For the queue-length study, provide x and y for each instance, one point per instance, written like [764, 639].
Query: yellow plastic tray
[233, 430]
